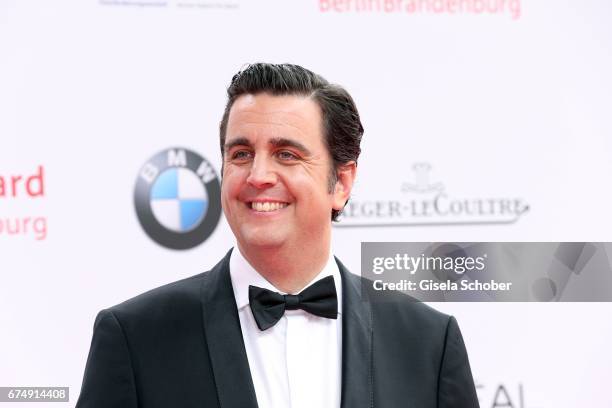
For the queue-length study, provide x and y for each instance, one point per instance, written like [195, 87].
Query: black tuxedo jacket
[181, 346]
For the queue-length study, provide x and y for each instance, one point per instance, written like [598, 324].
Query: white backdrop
[514, 104]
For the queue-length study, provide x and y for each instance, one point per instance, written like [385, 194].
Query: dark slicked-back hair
[342, 127]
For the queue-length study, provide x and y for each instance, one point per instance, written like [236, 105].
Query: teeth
[267, 206]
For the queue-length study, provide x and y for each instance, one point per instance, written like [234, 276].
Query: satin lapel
[224, 338]
[357, 388]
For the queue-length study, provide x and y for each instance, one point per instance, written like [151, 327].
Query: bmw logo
[178, 198]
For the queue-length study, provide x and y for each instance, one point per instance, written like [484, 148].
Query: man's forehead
[285, 116]
[279, 102]
[284, 108]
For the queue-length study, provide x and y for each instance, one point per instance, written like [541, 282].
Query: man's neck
[288, 269]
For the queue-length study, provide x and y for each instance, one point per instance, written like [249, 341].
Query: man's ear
[344, 184]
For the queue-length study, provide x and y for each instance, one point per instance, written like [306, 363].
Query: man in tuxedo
[279, 322]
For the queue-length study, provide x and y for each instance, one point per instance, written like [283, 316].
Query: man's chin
[262, 241]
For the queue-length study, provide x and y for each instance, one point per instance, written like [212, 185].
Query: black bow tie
[318, 299]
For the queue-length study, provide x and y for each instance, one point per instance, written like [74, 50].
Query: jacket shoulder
[170, 296]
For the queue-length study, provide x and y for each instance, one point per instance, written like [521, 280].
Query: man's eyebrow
[284, 142]
[239, 141]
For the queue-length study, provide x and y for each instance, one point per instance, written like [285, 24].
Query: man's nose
[262, 174]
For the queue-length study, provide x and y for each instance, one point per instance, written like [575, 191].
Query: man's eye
[241, 155]
[286, 155]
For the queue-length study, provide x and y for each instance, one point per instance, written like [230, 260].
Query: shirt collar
[243, 275]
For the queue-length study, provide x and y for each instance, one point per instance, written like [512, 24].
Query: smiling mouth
[267, 206]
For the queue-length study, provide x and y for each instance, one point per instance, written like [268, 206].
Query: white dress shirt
[296, 363]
